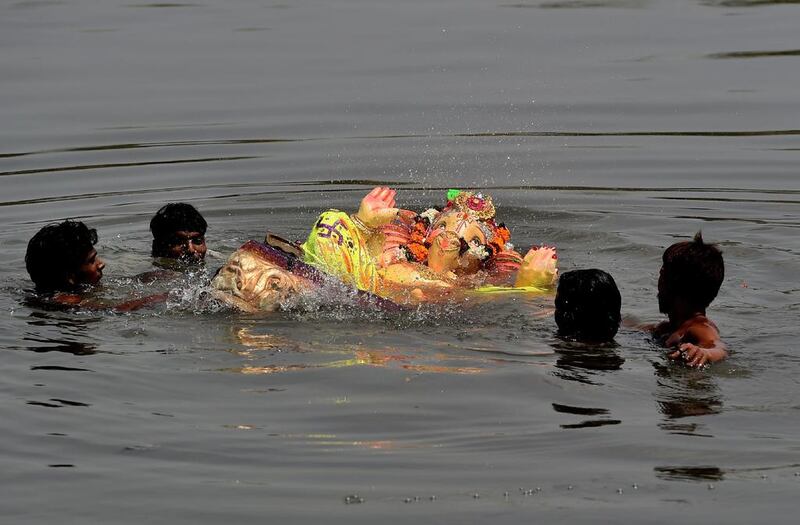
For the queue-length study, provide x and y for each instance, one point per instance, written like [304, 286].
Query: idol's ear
[283, 245]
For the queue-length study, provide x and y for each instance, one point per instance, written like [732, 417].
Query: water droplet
[569, 487]
[476, 495]
[433, 498]
[710, 486]
[763, 476]
[505, 495]
[407, 500]
[635, 486]
[619, 491]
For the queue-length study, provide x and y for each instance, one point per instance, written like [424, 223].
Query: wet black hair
[56, 253]
[588, 305]
[693, 271]
[171, 218]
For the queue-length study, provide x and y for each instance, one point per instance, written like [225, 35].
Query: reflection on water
[684, 392]
[748, 3]
[281, 348]
[58, 403]
[584, 362]
[45, 344]
[163, 5]
[757, 54]
[698, 473]
[583, 4]
[59, 331]
[61, 368]
[585, 411]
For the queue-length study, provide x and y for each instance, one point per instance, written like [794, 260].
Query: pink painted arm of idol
[538, 267]
[378, 208]
[502, 268]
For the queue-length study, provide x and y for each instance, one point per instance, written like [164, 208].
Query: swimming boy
[588, 306]
[61, 260]
[690, 278]
[179, 232]
[63, 264]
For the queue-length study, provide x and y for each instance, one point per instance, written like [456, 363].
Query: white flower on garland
[478, 251]
[429, 214]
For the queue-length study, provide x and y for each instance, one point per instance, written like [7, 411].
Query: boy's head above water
[62, 257]
[690, 277]
[588, 305]
[179, 232]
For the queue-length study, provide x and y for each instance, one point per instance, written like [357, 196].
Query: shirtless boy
[179, 232]
[61, 260]
[690, 277]
[588, 306]
[63, 264]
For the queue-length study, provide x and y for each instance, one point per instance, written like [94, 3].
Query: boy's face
[91, 270]
[187, 245]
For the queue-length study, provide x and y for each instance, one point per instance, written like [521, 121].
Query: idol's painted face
[465, 227]
[252, 283]
[451, 235]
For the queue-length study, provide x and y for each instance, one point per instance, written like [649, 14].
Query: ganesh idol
[390, 256]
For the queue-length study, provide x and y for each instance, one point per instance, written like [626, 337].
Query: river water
[608, 128]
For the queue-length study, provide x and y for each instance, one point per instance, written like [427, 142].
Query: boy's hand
[697, 356]
[378, 207]
[538, 267]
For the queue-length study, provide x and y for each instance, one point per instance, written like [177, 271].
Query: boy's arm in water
[79, 301]
[632, 322]
[142, 302]
[698, 343]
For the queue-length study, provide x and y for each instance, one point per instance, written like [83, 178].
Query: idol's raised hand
[378, 207]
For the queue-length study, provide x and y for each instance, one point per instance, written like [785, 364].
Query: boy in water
[179, 233]
[690, 277]
[61, 260]
[588, 306]
[63, 263]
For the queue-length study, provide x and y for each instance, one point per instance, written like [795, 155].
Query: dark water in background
[609, 128]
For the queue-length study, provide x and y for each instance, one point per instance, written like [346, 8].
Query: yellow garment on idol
[337, 247]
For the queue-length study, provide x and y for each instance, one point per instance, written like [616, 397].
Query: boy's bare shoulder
[701, 328]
